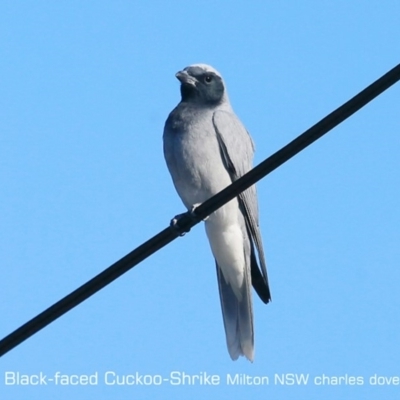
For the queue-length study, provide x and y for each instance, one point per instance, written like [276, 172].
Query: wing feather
[237, 151]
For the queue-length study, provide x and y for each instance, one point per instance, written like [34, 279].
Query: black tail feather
[259, 283]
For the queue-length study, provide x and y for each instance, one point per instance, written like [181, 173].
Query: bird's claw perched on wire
[192, 214]
[174, 224]
[193, 211]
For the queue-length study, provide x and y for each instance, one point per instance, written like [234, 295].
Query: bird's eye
[208, 78]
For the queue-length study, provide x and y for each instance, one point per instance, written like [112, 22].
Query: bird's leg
[192, 214]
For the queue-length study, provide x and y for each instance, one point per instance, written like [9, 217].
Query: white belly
[227, 243]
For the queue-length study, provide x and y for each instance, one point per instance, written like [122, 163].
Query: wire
[191, 218]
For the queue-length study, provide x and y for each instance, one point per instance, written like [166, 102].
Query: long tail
[238, 317]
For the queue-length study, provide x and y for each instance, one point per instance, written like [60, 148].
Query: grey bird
[206, 148]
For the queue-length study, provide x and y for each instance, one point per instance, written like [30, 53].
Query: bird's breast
[193, 157]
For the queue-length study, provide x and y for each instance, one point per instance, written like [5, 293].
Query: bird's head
[202, 84]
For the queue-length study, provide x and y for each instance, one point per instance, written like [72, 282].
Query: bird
[206, 148]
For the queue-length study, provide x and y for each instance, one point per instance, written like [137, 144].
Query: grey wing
[237, 151]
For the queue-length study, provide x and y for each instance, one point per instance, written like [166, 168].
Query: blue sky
[85, 90]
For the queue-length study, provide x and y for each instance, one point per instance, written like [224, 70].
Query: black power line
[188, 220]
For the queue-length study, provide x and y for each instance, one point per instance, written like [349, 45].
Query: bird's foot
[193, 211]
[174, 224]
[192, 215]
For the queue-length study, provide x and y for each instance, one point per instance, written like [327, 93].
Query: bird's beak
[185, 78]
